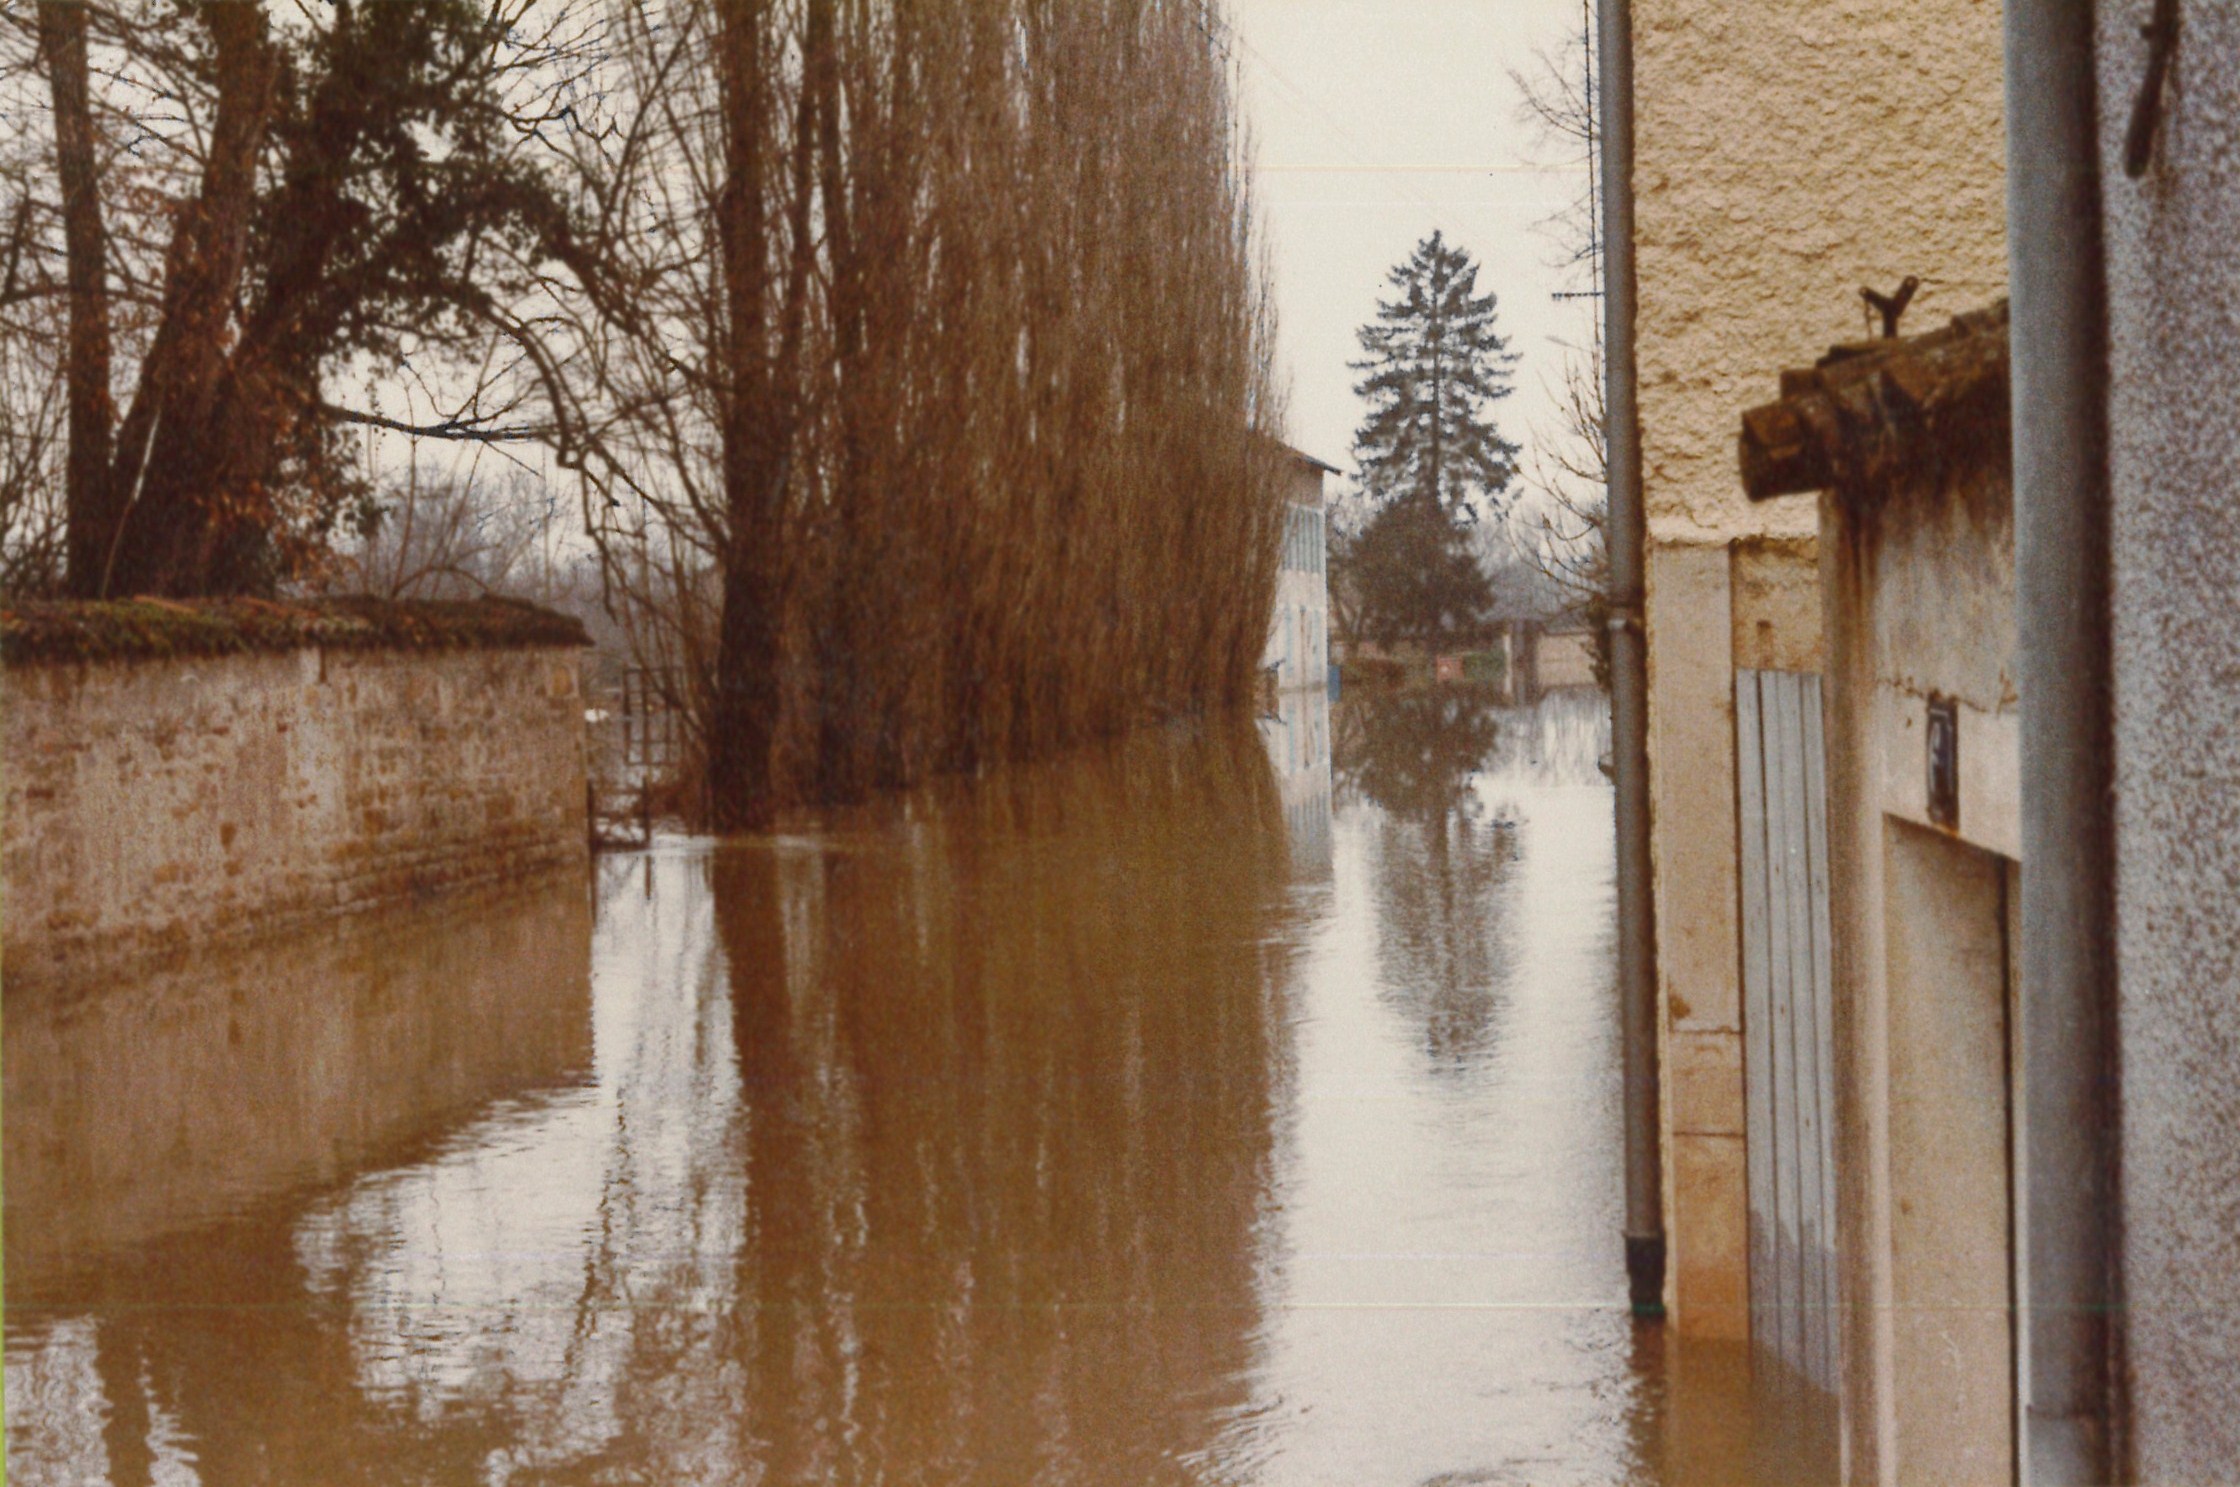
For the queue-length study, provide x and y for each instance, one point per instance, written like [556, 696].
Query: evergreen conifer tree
[1431, 458]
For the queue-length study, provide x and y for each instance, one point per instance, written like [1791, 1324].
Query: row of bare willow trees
[910, 357]
[928, 419]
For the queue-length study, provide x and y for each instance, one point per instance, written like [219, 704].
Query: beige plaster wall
[1952, 1363]
[1787, 153]
[1857, 856]
[1918, 594]
[1775, 607]
[1692, 791]
[1941, 562]
[152, 806]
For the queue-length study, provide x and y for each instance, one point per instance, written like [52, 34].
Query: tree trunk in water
[742, 713]
[742, 722]
[90, 516]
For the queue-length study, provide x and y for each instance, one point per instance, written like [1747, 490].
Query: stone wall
[161, 803]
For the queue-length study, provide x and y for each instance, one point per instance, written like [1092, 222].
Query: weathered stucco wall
[1919, 591]
[1951, 1365]
[1786, 154]
[1943, 619]
[157, 804]
[2174, 280]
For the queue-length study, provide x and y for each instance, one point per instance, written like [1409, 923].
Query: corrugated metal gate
[1788, 1074]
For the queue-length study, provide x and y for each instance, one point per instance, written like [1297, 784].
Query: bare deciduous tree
[921, 430]
[1569, 472]
[909, 357]
[241, 204]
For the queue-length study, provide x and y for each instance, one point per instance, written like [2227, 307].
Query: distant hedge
[155, 629]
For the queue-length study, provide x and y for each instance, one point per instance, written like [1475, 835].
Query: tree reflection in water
[1009, 1148]
[1439, 855]
[1060, 1126]
[932, 1144]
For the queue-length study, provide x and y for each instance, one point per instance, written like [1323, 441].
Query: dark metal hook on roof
[2162, 49]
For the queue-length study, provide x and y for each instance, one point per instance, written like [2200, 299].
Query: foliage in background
[1414, 576]
[1430, 455]
[1569, 470]
[440, 533]
[909, 358]
[1433, 363]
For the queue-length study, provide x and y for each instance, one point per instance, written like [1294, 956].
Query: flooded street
[1216, 1109]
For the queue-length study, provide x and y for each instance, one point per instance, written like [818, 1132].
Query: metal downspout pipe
[1624, 532]
[2059, 353]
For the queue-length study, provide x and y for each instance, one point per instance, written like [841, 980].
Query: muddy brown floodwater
[1232, 1107]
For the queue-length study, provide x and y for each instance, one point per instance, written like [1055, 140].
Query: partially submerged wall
[1907, 440]
[1919, 588]
[1786, 154]
[180, 775]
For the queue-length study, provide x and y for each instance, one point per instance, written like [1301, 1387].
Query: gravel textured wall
[154, 805]
[2174, 275]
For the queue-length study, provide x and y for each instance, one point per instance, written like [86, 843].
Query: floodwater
[1214, 1108]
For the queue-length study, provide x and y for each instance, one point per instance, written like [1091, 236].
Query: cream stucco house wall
[1788, 152]
[1297, 653]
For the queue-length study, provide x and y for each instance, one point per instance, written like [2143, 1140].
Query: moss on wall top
[154, 629]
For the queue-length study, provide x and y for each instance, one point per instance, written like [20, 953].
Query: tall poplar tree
[1431, 458]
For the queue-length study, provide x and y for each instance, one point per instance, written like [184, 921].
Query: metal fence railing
[636, 747]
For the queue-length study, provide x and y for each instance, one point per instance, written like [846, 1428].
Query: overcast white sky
[1377, 121]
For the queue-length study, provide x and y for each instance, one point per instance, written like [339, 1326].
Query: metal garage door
[1788, 1080]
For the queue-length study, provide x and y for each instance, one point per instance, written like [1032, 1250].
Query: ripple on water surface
[1208, 1109]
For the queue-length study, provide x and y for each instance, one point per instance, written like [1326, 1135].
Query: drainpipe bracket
[1645, 1275]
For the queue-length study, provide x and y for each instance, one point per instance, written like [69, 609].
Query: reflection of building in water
[934, 1146]
[1298, 649]
[1298, 738]
[1559, 741]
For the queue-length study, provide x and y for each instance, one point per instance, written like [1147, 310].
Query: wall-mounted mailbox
[1944, 763]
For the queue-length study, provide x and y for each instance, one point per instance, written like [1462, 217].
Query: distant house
[1298, 649]
[1563, 656]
